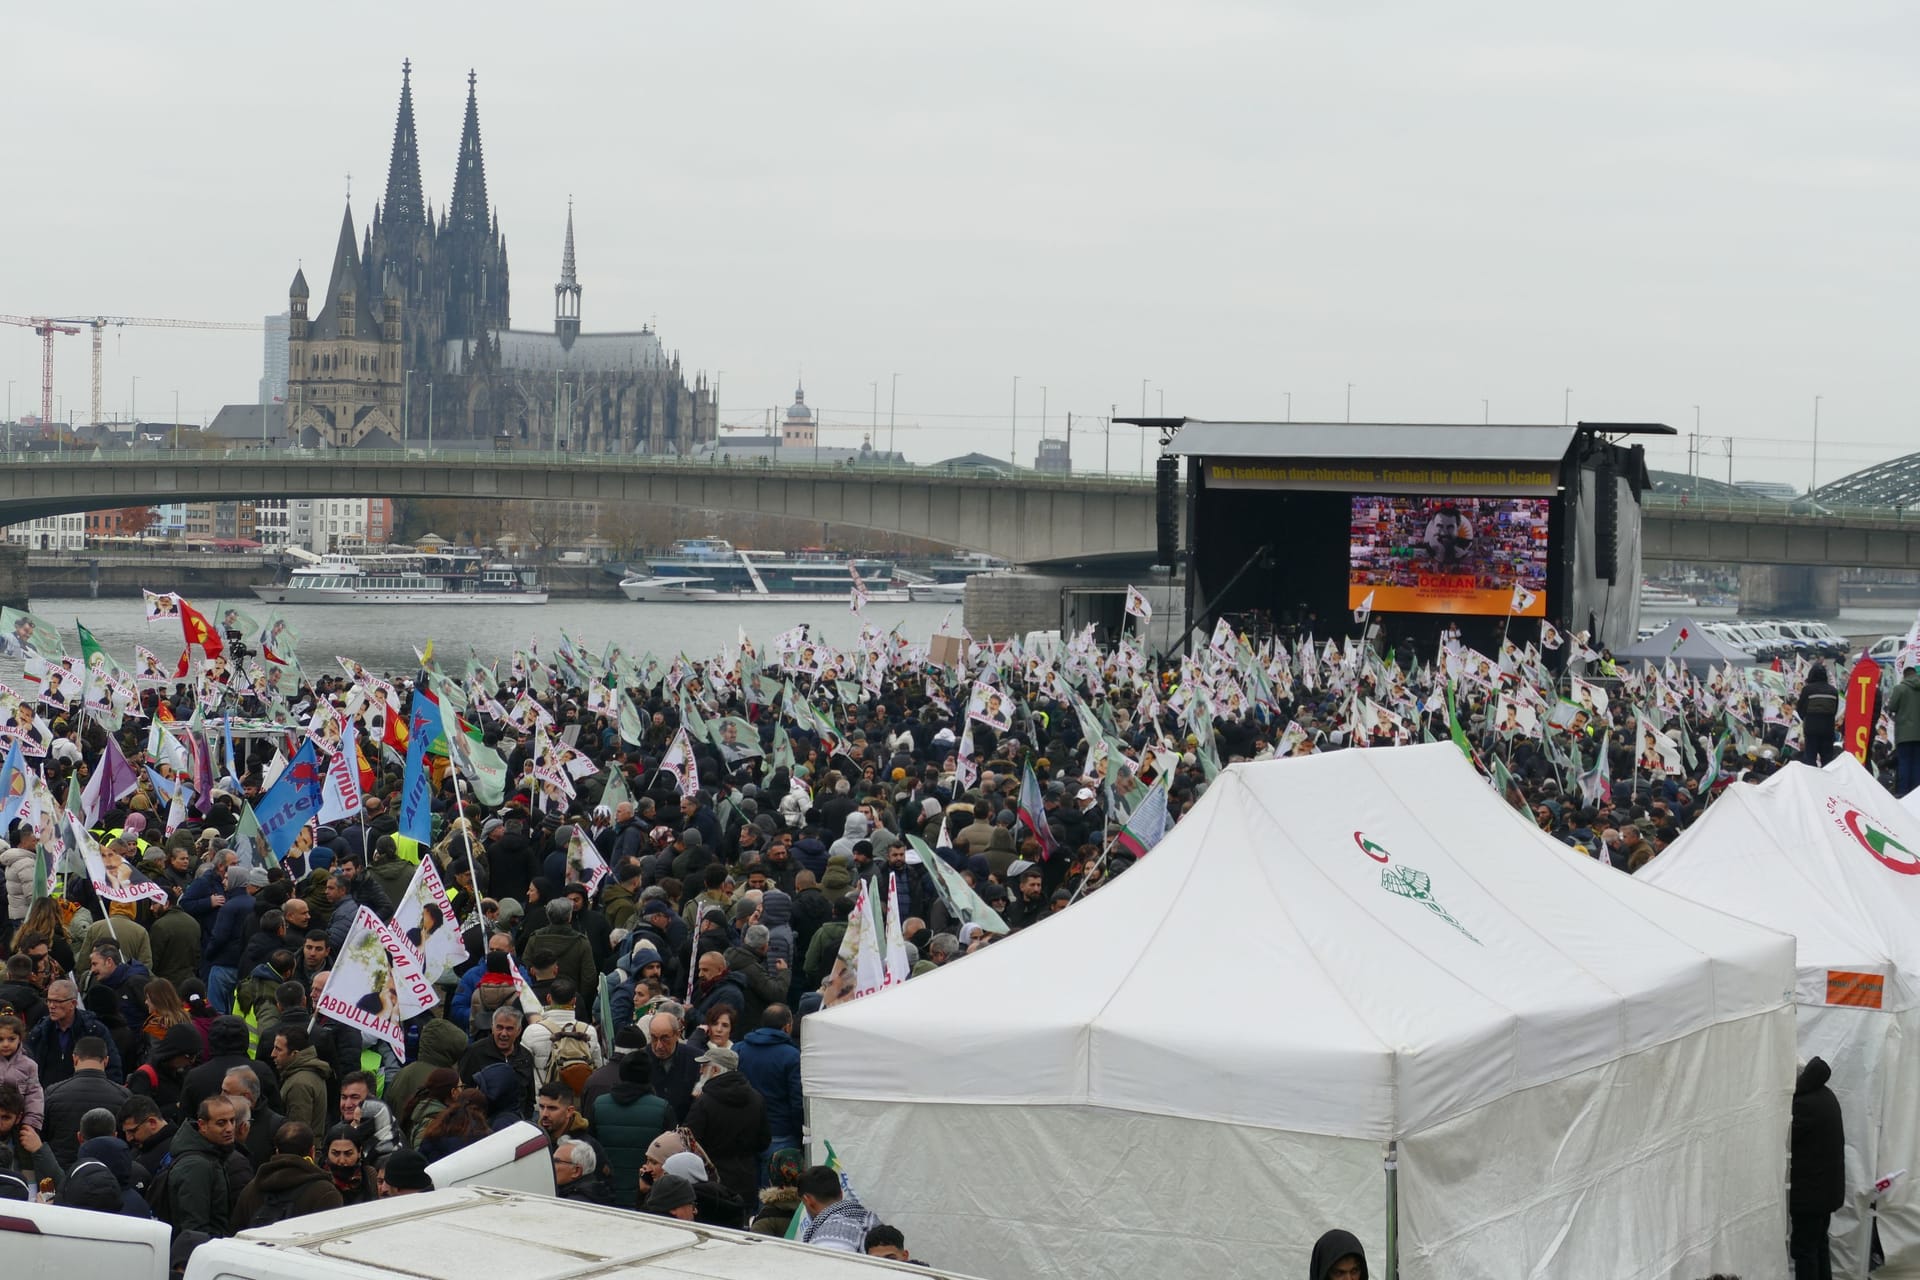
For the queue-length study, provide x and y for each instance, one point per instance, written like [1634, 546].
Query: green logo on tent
[1886, 849]
[1418, 885]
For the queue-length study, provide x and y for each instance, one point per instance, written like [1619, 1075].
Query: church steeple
[469, 210]
[405, 206]
[566, 294]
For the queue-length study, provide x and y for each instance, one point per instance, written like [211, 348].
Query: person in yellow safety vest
[135, 826]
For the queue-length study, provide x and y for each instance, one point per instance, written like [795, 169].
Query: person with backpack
[564, 1047]
[288, 1185]
[190, 1189]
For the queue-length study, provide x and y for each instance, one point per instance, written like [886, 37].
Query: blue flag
[13, 787]
[416, 814]
[292, 801]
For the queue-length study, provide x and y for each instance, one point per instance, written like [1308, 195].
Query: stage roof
[1384, 440]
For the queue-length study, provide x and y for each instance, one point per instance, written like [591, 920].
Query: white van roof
[472, 1232]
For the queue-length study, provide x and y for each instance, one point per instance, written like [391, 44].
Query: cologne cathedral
[411, 336]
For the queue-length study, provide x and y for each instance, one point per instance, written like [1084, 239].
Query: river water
[384, 636]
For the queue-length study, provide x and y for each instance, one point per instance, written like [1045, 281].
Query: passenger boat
[437, 578]
[713, 570]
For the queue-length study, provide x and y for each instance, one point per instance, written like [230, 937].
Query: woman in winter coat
[16, 866]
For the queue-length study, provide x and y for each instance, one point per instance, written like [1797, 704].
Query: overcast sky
[1656, 205]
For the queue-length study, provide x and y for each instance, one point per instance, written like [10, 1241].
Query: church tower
[400, 260]
[566, 294]
[470, 242]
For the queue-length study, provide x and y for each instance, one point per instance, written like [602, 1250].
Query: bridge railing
[534, 458]
[1711, 506]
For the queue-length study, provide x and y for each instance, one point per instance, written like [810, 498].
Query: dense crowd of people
[168, 1055]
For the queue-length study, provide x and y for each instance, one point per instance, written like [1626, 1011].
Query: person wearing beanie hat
[404, 1173]
[671, 1197]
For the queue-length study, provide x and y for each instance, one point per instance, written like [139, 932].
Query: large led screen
[1448, 555]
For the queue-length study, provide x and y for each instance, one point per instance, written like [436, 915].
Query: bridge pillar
[1811, 591]
[13, 576]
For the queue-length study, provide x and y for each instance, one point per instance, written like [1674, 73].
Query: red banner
[1863, 698]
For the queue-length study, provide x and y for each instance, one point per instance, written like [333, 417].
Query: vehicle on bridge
[439, 578]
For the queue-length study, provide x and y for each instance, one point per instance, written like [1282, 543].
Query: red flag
[196, 630]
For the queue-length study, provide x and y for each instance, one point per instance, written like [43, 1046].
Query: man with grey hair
[670, 1062]
[241, 1086]
[52, 1040]
[574, 1163]
[749, 963]
[572, 952]
[942, 947]
[502, 1044]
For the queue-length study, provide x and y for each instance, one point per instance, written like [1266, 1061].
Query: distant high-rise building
[1053, 456]
[273, 377]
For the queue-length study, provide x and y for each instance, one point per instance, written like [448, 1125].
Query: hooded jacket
[856, 830]
[776, 912]
[500, 1085]
[307, 1088]
[441, 1044]
[102, 1179]
[1817, 1170]
[17, 866]
[197, 1184]
[1332, 1247]
[158, 1078]
[283, 1177]
[228, 1039]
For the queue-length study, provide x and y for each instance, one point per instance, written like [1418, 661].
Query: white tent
[1201, 1067]
[1828, 856]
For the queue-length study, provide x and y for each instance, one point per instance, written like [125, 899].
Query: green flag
[955, 892]
[29, 634]
[1453, 728]
[632, 728]
[248, 842]
[782, 748]
[615, 793]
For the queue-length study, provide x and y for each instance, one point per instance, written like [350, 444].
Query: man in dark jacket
[1817, 1171]
[196, 1196]
[88, 1087]
[233, 923]
[502, 1044]
[572, 953]
[227, 1038]
[102, 1179]
[670, 1062]
[288, 1184]
[54, 1041]
[770, 1061]
[1819, 707]
[729, 1119]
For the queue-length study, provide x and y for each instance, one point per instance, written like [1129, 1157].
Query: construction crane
[47, 327]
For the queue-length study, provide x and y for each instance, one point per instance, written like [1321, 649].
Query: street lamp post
[1013, 427]
[133, 402]
[1813, 472]
[429, 417]
[176, 420]
[1349, 402]
[1289, 396]
[1566, 407]
[1486, 412]
[893, 402]
[406, 406]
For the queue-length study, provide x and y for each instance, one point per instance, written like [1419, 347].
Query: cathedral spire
[469, 209]
[405, 205]
[566, 294]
